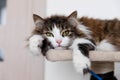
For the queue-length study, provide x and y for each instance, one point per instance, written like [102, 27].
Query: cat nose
[58, 41]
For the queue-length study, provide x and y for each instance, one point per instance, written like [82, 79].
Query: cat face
[59, 37]
[60, 31]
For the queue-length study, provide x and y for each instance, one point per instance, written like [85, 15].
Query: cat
[81, 35]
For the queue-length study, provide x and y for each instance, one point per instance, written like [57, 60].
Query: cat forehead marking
[56, 31]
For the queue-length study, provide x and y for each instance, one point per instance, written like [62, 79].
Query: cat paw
[34, 44]
[81, 63]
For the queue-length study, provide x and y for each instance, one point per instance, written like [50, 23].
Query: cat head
[60, 31]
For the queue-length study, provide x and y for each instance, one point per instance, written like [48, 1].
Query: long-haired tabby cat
[80, 35]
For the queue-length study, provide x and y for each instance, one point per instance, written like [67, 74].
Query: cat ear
[73, 15]
[38, 20]
[72, 18]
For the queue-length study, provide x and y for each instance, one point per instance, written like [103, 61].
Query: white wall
[104, 9]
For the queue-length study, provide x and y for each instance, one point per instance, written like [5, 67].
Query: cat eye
[66, 33]
[49, 34]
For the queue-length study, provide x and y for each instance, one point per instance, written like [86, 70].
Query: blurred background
[16, 25]
[2, 11]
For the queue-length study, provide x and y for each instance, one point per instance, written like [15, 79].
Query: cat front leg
[81, 48]
[35, 42]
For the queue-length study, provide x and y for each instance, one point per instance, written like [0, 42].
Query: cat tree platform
[66, 55]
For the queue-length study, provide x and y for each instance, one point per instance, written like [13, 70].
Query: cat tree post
[66, 55]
